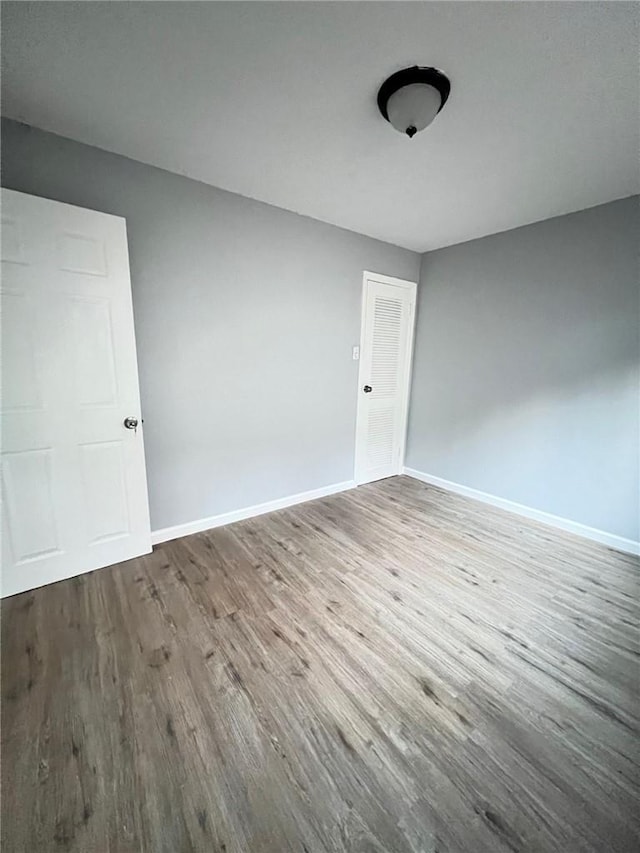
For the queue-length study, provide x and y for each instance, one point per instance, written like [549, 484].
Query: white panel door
[388, 310]
[74, 492]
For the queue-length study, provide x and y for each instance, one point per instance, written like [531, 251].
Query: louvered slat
[387, 333]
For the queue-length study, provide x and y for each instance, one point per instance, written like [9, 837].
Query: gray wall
[526, 374]
[245, 317]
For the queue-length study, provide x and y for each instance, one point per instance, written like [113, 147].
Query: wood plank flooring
[393, 669]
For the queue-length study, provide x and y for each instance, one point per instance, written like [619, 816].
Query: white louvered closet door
[385, 366]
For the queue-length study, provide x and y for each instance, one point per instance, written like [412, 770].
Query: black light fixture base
[415, 74]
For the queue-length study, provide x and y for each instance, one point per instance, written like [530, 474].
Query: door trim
[411, 286]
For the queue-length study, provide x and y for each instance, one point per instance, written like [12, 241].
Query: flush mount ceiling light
[410, 99]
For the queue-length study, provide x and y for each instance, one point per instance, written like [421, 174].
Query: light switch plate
[355, 353]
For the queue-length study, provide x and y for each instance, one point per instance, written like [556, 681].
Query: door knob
[131, 423]
[367, 389]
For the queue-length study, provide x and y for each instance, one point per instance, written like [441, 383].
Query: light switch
[356, 353]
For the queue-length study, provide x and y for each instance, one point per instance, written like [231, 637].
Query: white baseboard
[167, 533]
[629, 546]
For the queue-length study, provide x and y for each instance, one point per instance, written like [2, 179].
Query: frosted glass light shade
[413, 107]
[411, 98]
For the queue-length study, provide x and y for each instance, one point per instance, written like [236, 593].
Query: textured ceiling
[276, 101]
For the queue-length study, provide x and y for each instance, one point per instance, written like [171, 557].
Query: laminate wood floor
[390, 669]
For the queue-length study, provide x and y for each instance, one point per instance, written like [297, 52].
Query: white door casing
[74, 492]
[386, 345]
